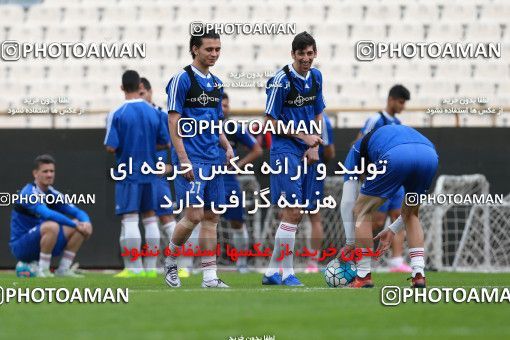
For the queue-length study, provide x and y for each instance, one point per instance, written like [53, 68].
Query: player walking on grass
[134, 132]
[395, 104]
[40, 231]
[294, 94]
[411, 161]
[195, 93]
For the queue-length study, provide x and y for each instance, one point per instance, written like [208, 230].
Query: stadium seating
[336, 25]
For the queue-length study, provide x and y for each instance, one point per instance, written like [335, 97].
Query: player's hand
[312, 155]
[312, 140]
[229, 154]
[168, 169]
[85, 228]
[189, 175]
[385, 238]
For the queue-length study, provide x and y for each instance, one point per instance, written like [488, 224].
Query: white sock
[363, 266]
[152, 239]
[240, 242]
[67, 260]
[285, 235]
[395, 261]
[122, 242]
[44, 261]
[417, 260]
[209, 267]
[171, 260]
[133, 239]
[168, 229]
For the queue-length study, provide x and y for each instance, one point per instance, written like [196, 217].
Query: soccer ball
[339, 273]
[24, 269]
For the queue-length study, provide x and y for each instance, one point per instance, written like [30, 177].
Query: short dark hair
[43, 159]
[302, 41]
[225, 96]
[196, 40]
[399, 92]
[130, 81]
[145, 83]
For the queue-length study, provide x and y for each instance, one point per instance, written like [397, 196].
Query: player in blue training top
[294, 95]
[194, 94]
[326, 154]
[40, 230]
[236, 215]
[134, 132]
[395, 104]
[411, 161]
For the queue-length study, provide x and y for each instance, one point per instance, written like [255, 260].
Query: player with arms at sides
[195, 94]
[395, 104]
[164, 214]
[134, 132]
[294, 95]
[411, 161]
[40, 231]
[326, 154]
[236, 215]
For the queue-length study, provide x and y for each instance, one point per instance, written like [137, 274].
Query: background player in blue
[326, 153]
[411, 162]
[134, 132]
[195, 94]
[395, 104]
[236, 215]
[294, 94]
[40, 231]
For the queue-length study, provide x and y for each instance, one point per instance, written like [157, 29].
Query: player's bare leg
[182, 232]
[167, 227]
[49, 233]
[284, 238]
[317, 236]
[416, 243]
[208, 241]
[364, 209]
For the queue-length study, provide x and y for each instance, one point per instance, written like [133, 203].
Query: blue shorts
[314, 188]
[209, 191]
[28, 246]
[393, 203]
[132, 197]
[164, 190]
[410, 165]
[282, 184]
[232, 184]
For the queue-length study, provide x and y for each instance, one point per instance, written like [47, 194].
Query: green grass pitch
[249, 309]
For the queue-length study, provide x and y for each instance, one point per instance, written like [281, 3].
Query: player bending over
[195, 93]
[40, 231]
[294, 94]
[395, 104]
[411, 161]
